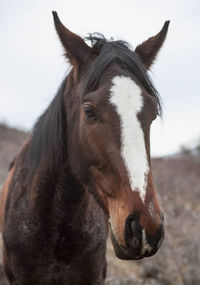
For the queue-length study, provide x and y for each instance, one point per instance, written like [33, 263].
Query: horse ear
[76, 49]
[149, 49]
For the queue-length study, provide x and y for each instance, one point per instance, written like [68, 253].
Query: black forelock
[110, 51]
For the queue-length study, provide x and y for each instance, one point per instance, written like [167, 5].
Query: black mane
[110, 51]
[48, 137]
[48, 140]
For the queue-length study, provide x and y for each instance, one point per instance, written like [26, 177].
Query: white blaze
[128, 101]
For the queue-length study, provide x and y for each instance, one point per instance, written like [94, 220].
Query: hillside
[178, 183]
[10, 142]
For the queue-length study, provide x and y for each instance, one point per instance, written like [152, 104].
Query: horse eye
[90, 113]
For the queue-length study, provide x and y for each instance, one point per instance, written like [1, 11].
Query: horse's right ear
[76, 49]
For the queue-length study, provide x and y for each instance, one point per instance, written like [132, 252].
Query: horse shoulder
[5, 189]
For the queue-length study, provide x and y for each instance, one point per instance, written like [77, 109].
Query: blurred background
[32, 67]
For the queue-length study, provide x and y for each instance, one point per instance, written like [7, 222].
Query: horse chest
[50, 250]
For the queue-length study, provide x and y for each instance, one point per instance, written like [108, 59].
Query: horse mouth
[120, 252]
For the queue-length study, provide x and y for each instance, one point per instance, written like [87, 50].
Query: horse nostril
[133, 233]
[135, 243]
[156, 240]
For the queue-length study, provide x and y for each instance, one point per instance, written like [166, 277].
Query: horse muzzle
[137, 243]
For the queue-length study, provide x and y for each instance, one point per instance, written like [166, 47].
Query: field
[178, 184]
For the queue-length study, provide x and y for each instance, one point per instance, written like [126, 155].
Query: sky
[32, 64]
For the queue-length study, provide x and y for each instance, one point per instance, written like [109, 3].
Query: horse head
[110, 104]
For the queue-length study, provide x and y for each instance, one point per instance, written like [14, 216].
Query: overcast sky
[32, 65]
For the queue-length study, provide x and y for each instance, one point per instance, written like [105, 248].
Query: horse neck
[58, 210]
[46, 156]
[57, 189]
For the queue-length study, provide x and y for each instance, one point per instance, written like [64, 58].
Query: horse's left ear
[76, 49]
[149, 49]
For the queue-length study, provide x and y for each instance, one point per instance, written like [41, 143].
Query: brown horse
[86, 165]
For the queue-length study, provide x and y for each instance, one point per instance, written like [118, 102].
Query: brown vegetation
[178, 182]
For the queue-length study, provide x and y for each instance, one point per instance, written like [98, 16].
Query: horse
[85, 169]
